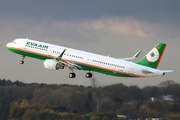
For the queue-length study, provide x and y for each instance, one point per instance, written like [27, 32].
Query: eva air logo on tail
[153, 55]
[152, 59]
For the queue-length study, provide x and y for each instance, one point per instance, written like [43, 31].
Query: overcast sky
[118, 28]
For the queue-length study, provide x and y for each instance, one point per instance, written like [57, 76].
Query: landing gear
[88, 75]
[72, 75]
[22, 61]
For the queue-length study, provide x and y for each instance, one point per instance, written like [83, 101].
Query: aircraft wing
[71, 65]
[132, 58]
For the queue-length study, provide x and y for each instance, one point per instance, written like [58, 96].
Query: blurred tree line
[22, 101]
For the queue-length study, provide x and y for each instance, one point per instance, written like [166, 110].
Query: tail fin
[153, 58]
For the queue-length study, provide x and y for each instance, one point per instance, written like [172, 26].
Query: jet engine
[52, 64]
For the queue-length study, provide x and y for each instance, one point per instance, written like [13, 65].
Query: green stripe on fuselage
[29, 54]
[101, 70]
[84, 66]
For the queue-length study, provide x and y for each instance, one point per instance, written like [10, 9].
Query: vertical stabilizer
[153, 58]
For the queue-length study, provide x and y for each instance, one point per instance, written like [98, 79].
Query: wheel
[21, 62]
[72, 75]
[88, 75]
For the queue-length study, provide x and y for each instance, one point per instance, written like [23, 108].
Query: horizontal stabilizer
[166, 71]
[155, 72]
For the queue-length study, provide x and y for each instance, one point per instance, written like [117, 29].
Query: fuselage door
[88, 60]
[50, 51]
[131, 69]
[21, 44]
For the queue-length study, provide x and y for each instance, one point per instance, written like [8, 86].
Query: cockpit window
[14, 42]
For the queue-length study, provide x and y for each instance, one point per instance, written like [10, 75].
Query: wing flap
[71, 65]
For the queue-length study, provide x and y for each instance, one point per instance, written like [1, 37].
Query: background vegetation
[21, 101]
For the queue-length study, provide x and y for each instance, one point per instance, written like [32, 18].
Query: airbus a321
[58, 57]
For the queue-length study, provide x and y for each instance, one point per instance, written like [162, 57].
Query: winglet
[60, 56]
[132, 58]
[137, 54]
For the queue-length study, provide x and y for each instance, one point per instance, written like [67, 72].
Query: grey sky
[116, 28]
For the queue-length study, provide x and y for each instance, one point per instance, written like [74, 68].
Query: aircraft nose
[8, 45]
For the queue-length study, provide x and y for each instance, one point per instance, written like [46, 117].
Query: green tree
[18, 112]
[4, 110]
[30, 114]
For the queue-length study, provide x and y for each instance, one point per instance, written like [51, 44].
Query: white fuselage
[88, 61]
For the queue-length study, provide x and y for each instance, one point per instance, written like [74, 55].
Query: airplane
[58, 57]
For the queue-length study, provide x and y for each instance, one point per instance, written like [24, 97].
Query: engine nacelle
[52, 64]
